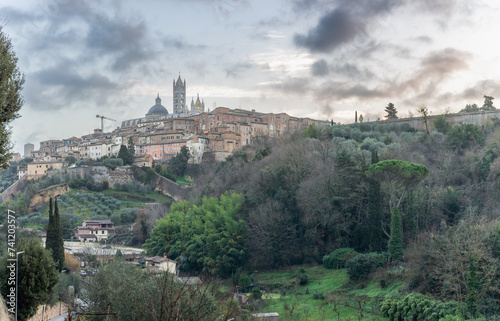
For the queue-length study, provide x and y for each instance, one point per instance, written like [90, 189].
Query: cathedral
[158, 112]
[180, 108]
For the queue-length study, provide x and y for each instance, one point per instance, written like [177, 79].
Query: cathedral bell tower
[180, 96]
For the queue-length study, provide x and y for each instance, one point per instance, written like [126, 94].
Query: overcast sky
[323, 59]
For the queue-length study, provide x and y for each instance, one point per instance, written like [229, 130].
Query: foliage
[461, 264]
[302, 277]
[441, 125]
[398, 175]
[396, 240]
[391, 111]
[209, 236]
[416, 306]
[178, 163]
[488, 103]
[470, 108]
[11, 84]
[112, 163]
[362, 265]
[338, 258]
[55, 242]
[37, 277]
[256, 293]
[68, 286]
[134, 294]
[70, 160]
[125, 155]
[464, 136]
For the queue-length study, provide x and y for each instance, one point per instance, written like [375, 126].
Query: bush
[256, 294]
[416, 306]
[363, 264]
[245, 281]
[338, 258]
[302, 278]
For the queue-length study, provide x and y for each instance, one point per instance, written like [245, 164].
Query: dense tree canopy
[399, 176]
[11, 84]
[207, 236]
[37, 277]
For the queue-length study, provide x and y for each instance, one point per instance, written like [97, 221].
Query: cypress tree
[396, 240]
[50, 240]
[59, 241]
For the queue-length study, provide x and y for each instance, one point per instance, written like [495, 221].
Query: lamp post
[17, 278]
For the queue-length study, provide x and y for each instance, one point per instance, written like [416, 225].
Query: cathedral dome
[157, 109]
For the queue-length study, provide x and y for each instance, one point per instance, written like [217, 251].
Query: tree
[424, 112]
[391, 111]
[399, 176]
[125, 155]
[11, 84]
[464, 136]
[208, 235]
[178, 163]
[37, 277]
[441, 125]
[70, 160]
[131, 147]
[396, 240]
[469, 108]
[59, 249]
[488, 103]
[131, 294]
[54, 241]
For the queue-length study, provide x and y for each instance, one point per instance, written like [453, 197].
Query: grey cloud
[297, 86]
[336, 90]
[487, 87]
[423, 39]
[180, 44]
[320, 68]
[62, 85]
[349, 20]
[236, 70]
[436, 67]
[334, 29]
[421, 86]
[352, 71]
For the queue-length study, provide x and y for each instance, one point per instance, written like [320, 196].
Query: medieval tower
[180, 96]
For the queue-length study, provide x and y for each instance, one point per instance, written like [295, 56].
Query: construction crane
[102, 121]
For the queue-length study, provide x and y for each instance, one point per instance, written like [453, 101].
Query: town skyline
[307, 58]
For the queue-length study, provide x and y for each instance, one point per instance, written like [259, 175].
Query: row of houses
[157, 138]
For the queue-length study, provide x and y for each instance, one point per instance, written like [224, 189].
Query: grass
[328, 295]
[182, 181]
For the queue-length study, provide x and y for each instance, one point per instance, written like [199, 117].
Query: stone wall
[49, 312]
[170, 188]
[120, 175]
[14, 189]
[477, 118]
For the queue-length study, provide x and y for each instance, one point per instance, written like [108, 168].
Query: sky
[323, 59]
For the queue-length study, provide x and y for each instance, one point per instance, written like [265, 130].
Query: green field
[328, 295]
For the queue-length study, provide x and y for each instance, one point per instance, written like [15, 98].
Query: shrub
[416, 306]
[338, 258]
[362, 265]
[245, 281]
[256, 294]
[302, 278]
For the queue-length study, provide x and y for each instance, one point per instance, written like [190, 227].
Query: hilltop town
[160, 135]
